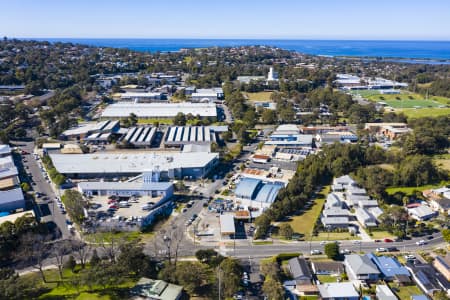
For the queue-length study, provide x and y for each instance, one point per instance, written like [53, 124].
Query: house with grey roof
[422, 213]
[327, 267]
[361, 267]
[333, 201]
[345, 181]
[335, 222]
[383, 292]
[365, 218]
[152, 289]
[299, 269]
[338, 291]
[428, 278]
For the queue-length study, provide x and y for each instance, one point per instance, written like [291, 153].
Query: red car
[388, 240]
[113, 207]
[112, 201]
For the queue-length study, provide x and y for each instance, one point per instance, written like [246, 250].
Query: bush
[332, 250]
[285, 256]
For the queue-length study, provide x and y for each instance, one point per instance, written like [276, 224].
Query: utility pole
[220, 284]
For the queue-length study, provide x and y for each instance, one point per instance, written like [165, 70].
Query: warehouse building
[208, 95]
[5, 150]
[252, 192]
[91, 130]
[11, 200]
[141, 136]
[127, 189]
[159, 110]
[143, 97]
[177, 136]
[100, 165]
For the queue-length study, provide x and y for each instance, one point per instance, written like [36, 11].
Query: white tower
[272, 75]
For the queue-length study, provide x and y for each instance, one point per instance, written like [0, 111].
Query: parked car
[113, 206]
[381, 249]
[388, 240]
[316, 252]
[421, 242]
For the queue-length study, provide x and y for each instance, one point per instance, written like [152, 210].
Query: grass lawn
[334, 236]
[405, 292]
[379, 235]
[262, 242]
[153, 120]
[64, 290]
[408, 99]
[108, 236]
[442, 161]
[410, 190]
[258, 96]
[424, 112]
[327, 278]
[304, 223]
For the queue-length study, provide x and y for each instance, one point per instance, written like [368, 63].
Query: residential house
[335, 217]
[383, 292]
[427, 278]
[345, 181]
[338, 291]
[333, 201]
[388, 266]
[376, 212]
[421, 213]
[365, 218]
[327, 267]
[361, 267]
[301, 274]
[152, 289]
[442, 264]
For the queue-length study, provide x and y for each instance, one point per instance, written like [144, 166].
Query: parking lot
[107, 208]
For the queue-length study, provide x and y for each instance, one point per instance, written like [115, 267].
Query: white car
[323, 242]
[316, 252]
[421, 242]
[357, 242]
[381, 249]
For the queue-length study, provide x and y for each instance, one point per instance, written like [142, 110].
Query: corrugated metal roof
[246, 188]
[227, 224]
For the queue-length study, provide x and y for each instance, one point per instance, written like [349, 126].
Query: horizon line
[239, 38]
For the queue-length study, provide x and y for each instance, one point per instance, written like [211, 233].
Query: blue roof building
[246, 188]
[388, 266]
[268, 193]
[256, 193]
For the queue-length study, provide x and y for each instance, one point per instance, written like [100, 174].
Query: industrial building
[289, 136]
[141, 136]
[227, 226]
[177, 136]
[5, 150]
[100, 165]
[91, 131]
[159, 110]
[207, 95]
[127, 189]
[252, 192]
[143, 97]
[11, 200]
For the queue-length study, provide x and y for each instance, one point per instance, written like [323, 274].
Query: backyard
[405, 292]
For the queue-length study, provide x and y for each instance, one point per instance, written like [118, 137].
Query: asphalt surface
[44, 208]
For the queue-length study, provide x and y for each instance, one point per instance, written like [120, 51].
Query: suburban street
[45, 208]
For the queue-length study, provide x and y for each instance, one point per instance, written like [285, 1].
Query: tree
[232, 276]
[191, 275]
[270, 269]
[179, 119]
[81, 250]
[25, 187]
[286, 231]
[133, 260]
[262, 224]
[273, 289]
[34, 250]
[95, 259]
[332, 250]
[70, 263]
[446, 235]
[268, 116]
[209, 256]
[61, 249]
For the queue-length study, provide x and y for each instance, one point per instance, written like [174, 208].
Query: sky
[283, 19]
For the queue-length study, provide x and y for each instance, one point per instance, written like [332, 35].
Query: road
[48, 209]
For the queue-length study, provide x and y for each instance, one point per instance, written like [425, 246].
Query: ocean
[413, 51]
